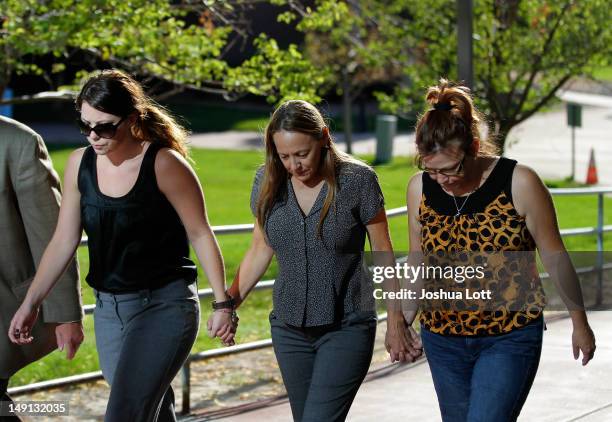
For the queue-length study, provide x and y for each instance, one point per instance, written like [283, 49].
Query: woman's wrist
[234, 293]
[579, 319]
[394, 314]
[220, 296]
[31, 303]
[227, 303]
[225, 310]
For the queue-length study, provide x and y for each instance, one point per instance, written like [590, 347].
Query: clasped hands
[401, 340]
[223, 324]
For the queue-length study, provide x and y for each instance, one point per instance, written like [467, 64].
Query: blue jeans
[323, 367]
[488, 378]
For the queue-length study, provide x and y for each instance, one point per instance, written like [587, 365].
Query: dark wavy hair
[115, 92]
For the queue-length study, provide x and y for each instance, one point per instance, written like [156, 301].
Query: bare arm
[400, 340]
[251, 269]
[413, 202]
[57, 255]
[65, 239]
[178, 182]
[533, 201]
[37, 192]
[253, 266]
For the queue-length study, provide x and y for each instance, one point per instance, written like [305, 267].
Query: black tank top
[136, 241]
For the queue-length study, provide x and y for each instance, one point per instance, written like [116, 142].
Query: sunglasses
[456, 171]
[103, 130]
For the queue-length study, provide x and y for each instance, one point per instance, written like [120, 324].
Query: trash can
[386, 128]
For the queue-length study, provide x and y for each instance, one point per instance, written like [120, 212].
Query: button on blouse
[321, 276]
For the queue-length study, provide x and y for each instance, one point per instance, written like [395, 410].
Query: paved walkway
[563, 391]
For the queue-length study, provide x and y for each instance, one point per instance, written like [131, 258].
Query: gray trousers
[142, 340]
[323, 367]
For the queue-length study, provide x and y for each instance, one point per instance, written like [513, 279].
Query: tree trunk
[346, 111]
[363, 121]
[499, 135]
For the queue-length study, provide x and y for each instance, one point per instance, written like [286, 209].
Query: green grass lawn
[227, 177]
[603, 74]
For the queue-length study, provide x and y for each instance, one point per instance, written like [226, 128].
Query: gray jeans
[323, 367]
[142, 340]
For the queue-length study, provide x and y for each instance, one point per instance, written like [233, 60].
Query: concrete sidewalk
[563, 389]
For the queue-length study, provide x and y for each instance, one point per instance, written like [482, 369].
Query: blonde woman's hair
[303, 117]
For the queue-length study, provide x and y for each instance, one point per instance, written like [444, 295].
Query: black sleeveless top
[136, 241]
[487, 221]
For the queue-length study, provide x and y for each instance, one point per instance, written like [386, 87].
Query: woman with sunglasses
[483, 361]
[140, 203]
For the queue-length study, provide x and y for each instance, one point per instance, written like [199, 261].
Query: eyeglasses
[456, 171]
[103, 130]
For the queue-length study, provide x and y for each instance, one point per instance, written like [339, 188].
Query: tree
[182, 43]
[351, 42]
[524, 52]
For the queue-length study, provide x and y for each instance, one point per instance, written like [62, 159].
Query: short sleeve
[371, 198]
[255, 190]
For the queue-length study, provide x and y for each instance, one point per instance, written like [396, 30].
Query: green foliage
[524, 51]
[153, 40]
[277, 74]
[355, 42]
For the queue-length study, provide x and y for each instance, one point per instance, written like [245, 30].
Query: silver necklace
[459, 208]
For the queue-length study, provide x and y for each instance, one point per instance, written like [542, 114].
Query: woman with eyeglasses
[483, 360]
[140, 203]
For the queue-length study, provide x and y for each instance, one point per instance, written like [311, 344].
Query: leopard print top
[488, 222]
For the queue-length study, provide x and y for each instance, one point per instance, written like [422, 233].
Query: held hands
[401, 341]
[223, 323]
[69, 335]
[20, 330]
[583, 340]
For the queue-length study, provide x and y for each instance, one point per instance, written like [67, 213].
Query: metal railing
[599, 229]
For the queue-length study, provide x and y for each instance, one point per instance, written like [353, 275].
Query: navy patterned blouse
[322, 277]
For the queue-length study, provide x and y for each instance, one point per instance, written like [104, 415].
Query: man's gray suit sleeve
[38, 195]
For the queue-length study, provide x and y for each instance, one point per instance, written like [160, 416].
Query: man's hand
[69, 335]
